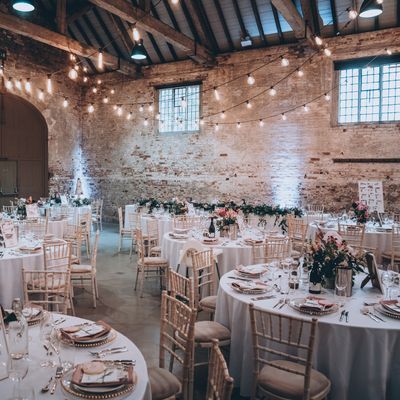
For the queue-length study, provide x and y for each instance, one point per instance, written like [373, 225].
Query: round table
[361, 357]
[38, 376]
[234, 253]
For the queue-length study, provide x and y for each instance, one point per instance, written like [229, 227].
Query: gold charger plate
[108, 339]
[295, 304]
[384, 311]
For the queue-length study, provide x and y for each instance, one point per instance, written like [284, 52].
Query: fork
[57, 377]
[278, 303]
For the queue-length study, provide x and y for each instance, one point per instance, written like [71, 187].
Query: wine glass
[17, 370]
[387, 279]
[341, 285]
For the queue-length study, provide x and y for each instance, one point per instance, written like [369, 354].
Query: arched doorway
[23, 149]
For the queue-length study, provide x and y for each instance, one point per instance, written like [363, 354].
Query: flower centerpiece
[78, 202]
[227, 222]
[178, 207]
[21, 207]
[360, 211]
[324, 256]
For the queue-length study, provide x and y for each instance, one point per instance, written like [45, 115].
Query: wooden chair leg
[141, 282]
[137, 276]
[94, 292]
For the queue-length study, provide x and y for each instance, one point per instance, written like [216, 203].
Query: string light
[72, 57]
[49, 84]
[223, 116]
[85, 69]
[146, 122]
[112, 91]
[28, 85]
[284, 117]
[216, 127]
[183, 102]
[327, 96]
[115, 107]
[76, 67]
[284, 61]
[151, 107]
[136, 35]
[389, 52]
[327, 52]
[9, 84]
[238, 125]
[100, 64]
[91, 108]
[261, 123]
[85, 79]
[174, 2]
[158, 116]
[201, 121]
[300, 73]
[248, 104]
[272, 91]
[250, 79]
[72, 74]
[18, 84]
[353, 14]
[99, 81]
[119, 111]
[65, 102]
[141, 108]
[216, 94]
[41, 94]
[94, 90]
[318, 41]
[305, 108]
[105, 100]
[129, 115]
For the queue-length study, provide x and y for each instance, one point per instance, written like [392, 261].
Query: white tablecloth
[233, 253]
[57, 228]
[37, 376]
[361, 357]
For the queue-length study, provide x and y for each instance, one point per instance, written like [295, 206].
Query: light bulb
[9, 84]
[353, 14]
[151, 107]
[72, 57]
[284, 117]
[158, 116]
[318, 41]
[90, 108]
[174, 2]
[99, 81]
[115, 107]
[141, 108]
[305, 108]
[250, 79]
[85, 69]
[119, 111]
[248, 104]
[85, 79]
[49, 85]
[105, 100]
[216, 127]
[327, 52]
[100, 64]
[300, 73]
[72, 74]
[379, 1]
[238, 125]
[261, 123]
[28, 85]
[41, 94]
[76, 67]
[201, 121]
[223, 115]
[65, 102]
[136, 35]
[388, 51]
[18, 84]
[146, 122]
[284, 61]
[327, 96]
[112, 91]
[183, 102]
[129, 116]
[272, 91]
[216, 94]
[94, 90]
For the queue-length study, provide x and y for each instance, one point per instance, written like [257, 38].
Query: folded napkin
[181, 230]
[315, 303]
[99, 374]
[210, 240]
[85, 332]
[249, 286]
[391, 305]
[254, 270]
[253, 241]
[178, 235]
[32, 247]
[31, 312]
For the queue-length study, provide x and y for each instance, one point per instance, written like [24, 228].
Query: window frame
[157, 89]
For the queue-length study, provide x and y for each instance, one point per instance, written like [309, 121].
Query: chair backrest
[152, 229]
[186, 221]
[204, 277]
[57, 256]
[50, 289]
[353, 235]
[190, 247]
[10, 210]
[315, 209]
[395, 248]
[177, 339]
[120, 219]
[37, 229]
[140, 247]
[297, 228]
[283, 337]
[134, 220]
[273, 249]
[181, 287]
[396, 218]
[219, 382]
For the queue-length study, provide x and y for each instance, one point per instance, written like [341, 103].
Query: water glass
[17, 370]
[341, 283]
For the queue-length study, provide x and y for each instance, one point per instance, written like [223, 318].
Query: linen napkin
[391, 305]
[85, 332]
[249, 286]
[255, 270]
[316, 303]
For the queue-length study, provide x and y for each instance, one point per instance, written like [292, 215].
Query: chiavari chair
[134, 222]
[393, 256]
[353, 235]
[124, 231]
[297, 231]
[97, 213]
[181, 287]
[152, 237]
[273, 249]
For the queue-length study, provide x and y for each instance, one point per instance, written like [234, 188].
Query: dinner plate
[262, 268]
[109, 337]
[386, 312]
[296, 304]
[250, 290]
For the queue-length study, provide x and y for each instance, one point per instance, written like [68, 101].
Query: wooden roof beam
[277, 24]
[61, 16]
[311, 16]
[79, 12]
[222, 19]
[147, 22]
[62, 42]
[258, 21]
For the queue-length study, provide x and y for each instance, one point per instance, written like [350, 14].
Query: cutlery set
[344, 314]
[106, 352]
[372, 315]
[280, 303]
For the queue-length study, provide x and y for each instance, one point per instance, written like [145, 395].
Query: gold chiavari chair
[393, 256]
[57, 256]
[148, 267]
[73, 235]
[219, 383]
[273, 249]
[152, 237]
[297, 231]
[186, 222]
[181, 287]
[134, 222]
[35, 228]
[177, 344]
[85, 222]
[125, 232]
[10, 210]
[353, 235]
[283, 348]
[97, 213]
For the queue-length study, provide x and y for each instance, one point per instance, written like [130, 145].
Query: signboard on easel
[371, 194]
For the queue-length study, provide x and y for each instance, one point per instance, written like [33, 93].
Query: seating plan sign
[32, 211]
[9, 234]
[371, 194]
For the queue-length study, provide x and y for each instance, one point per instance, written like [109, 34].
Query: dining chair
[73, 234]
[297, 232]
[148, 267]
[57, 256]
[152, 237]
[49, 289]
[87, 273]
[353, 235]
[97, 213]
[180, 287]
[125, 232]
[85, 222]
[184, 222]
[392, 257]
[36, 228]
[190, 247]
[10, 210]
[176, 343]
[315, 209]
[219, 382]
[273, 249]
[134, 222]
[283, 348]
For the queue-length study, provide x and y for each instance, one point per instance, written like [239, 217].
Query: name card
[9, 234]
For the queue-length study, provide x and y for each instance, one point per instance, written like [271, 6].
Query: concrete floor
[121, 307]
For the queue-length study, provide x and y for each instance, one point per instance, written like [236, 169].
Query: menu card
[9, 234]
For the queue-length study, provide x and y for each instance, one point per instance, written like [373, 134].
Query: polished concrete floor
[121, 306]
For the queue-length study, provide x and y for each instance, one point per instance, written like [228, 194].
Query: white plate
[296, 304]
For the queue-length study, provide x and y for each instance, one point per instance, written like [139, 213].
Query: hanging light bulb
[72, 74]
[389, 52]
[9, 83]
[248, 104]
[105, 100]
[272, 91]
[300, 73]
[99, 81]
[49, 85]
[284, 117]
[238, 125]
[129, 115]
[216, 94]
[216, 127]
[327, 96]
[158, 116]
[119, 111]
[250, 79]
[76, 67]
[85, 79]
[261, 123]
[115, 107]
[18, 84]
[28, 87]
[223, 115]
[305, 108]
[90, 108]
[100, 64]
[94, 90]
[146, 122]
[284, 61]
[318, 41]
[151, 107]
[353, 14]
[65, 102]
[183, 102]
[23, 5]
[141, 108]
[327, 52]
[112, 91]
[72, 57]
[85, 69]
[201, 121]
[41, 94]
[136, 35]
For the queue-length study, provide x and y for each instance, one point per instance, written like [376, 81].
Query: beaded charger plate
[296, 304]
[104, 393]
[384, 311]
[92, 343]
[250, 290]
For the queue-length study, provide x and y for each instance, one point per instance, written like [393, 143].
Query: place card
[32, 211]
[9, 234]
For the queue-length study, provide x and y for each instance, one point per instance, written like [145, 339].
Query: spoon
[46, 388]
[366, 311]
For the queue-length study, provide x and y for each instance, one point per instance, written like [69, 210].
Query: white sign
[371, 194]
[32, 211]
[9, 234]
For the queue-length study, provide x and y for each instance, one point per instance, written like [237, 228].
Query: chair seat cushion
[209, 302]
[155, 261]
[155, 249]
[41, 283]
[81, 268]
[205, 331]
[290, 385]
[163, 384]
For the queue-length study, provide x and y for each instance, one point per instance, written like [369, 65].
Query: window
[369, 94]
[179, 109]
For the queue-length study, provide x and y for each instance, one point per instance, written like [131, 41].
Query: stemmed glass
[387, 278]
[46, 337]
[17, 370]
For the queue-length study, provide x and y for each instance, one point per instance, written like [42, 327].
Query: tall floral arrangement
[226, 217]
[360, 211]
